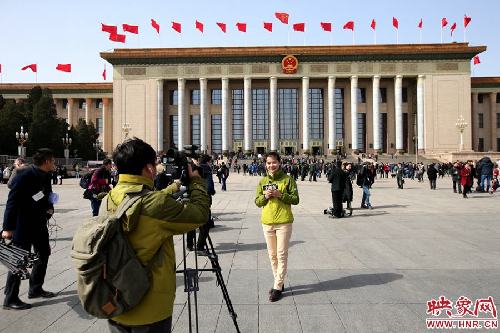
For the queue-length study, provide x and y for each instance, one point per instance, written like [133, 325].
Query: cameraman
[150, 225]
[25, 221]
[205, 163]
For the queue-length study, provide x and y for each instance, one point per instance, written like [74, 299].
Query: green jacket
[150, 224]
[277, 210]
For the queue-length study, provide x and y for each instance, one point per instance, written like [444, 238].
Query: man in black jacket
[432, 175]
[28, 207]
[337, 178]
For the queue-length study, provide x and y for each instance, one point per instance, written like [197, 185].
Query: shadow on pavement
[231, 247]
[347, 282]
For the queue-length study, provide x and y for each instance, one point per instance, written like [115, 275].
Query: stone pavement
[372, 272]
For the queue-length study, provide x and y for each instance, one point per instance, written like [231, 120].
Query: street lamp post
[21, 137]
[97, 146]
[66, 142]
[461, 124]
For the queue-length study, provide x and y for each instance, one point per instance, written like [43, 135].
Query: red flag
[374, 24]
[395, 23]
[155, 25]
[283, 17]
[177, 26]
[32, 67]
[104, 73]
[241, 27]
[453, 27]
[476, 60]
[268, 26]
[420, 24]
[112, 29]
[467, 20]
[444, 22]
[327, 26]
[133, 29]
[299, 27]
[349, 25]
[64, 68]
[117, 38]
[199, 25]
[222, 26]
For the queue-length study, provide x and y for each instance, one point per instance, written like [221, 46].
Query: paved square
[372, 272]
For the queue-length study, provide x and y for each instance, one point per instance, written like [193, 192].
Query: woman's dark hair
[42, 155]
[274, 155]
[132, 156]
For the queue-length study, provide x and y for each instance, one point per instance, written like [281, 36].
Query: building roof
[57, 88]
[485, 82]
[383, 52]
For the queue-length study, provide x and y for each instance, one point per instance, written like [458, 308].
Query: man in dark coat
[28, 208]
[432, 175]
[337, 178]
[485, 167]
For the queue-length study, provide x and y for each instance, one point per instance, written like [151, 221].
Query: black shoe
[282, 289]
[42, 294]
[190, 248]
[275, 295]
[16, 305]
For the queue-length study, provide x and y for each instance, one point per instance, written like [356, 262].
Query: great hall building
[311, 99]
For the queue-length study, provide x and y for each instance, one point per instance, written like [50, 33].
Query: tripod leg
[220, 281]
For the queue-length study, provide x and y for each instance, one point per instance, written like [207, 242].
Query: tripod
[191, 282]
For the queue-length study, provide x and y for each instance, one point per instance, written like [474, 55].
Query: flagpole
[36, 74]
[331, 39]
[420, 35]
[441, 34]
[374, 36]
[353, 42]
[397, 36]
[465, 37]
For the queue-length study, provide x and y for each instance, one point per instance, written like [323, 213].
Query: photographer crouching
[205, 163]
[150, 225]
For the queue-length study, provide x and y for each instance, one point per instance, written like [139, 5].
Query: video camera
[176, 163]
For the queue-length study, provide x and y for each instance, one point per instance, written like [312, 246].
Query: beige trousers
[277, 239]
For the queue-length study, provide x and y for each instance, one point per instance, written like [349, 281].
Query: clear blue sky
[64, 31]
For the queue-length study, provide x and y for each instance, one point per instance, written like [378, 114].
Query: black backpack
[85, 180]
[360, 179]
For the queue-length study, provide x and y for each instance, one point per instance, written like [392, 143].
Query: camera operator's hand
[276, 193]
[7, 234]
[192, 173]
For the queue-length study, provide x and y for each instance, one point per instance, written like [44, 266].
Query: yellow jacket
[150, 225]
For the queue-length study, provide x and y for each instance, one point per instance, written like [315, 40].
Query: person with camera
[205, 163]
[276, 192]
[99, 185]
[28, 208]
[150, 224]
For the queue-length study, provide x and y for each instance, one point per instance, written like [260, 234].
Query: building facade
[373, 99]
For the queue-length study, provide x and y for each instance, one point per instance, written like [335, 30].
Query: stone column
[398, 106]
[331, 115]
[69, 106]
[88, 105]
[493, 121]
[354, 114]
[181, 87]
[305, 115]
[247, 111]
[106, 144]
[225, 115]
[160, 122]
[203, 115]
[377, 142]
[273, 109]
[420, 114]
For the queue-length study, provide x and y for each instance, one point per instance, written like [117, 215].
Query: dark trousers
[164, 326]
[95, 204]
[223, 183]
[202, 237]
[457, 184]
[433, 183]
[337, 203]
[42, 247]
[400, 182]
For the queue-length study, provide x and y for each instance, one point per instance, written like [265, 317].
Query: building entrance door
[316, 150]
[260, 150]
[289, 150]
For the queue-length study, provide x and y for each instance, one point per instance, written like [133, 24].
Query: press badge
[38, 196]
[270, 187]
